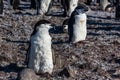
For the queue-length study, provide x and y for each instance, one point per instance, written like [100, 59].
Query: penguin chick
[40, 52]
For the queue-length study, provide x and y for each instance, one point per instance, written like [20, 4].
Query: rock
[0, 38]
[2, 75]
[64, 72]
[117, 60]
[13, 75]
[117, 76]
[67, 72]
[28, 74]
[59, 62]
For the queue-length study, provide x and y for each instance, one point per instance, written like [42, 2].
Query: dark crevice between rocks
[11, 68]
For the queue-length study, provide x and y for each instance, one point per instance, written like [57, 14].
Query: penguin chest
[79, 28]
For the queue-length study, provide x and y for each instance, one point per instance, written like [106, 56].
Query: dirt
[96, 58]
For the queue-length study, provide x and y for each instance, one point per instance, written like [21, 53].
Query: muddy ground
[97, 58]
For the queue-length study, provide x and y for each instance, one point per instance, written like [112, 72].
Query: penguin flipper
[70, 27]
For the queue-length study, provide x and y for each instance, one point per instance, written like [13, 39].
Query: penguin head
[41, 24]
[81, 8]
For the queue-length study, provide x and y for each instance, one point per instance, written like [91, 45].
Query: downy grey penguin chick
[77, 28]
[40, 52]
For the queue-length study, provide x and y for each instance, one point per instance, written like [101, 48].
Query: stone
[28, 74]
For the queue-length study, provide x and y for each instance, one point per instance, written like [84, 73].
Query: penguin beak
[86, 9]
[82, 9]
[50, 26]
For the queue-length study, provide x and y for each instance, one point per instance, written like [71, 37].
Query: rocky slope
[97, 58]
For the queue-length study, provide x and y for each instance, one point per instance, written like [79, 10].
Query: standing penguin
[44, 6]
[1, 7]
[72, 6]
[33, 4]
[40, 52]
[77, 28]
[69, 6]
[103, 4]
[41, 6]
[117, 9]
[14, 3]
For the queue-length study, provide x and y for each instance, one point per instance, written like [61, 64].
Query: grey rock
[28, 74]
